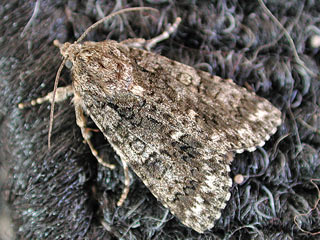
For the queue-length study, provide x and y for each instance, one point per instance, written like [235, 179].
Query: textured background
[63, 193]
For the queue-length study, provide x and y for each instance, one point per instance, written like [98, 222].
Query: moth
[175, 126]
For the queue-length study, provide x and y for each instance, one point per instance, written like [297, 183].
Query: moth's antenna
[56, 81]
[112, 15]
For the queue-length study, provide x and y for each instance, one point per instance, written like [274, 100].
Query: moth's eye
[68, 64]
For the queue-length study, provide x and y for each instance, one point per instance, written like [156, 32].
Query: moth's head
[66, 49]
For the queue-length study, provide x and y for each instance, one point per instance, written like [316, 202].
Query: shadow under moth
[175, 126]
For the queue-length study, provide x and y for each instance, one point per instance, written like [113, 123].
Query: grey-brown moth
[175, 126]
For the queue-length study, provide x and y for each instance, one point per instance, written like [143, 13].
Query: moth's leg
[169, 30]
[126, 189]
[148, 44]
[86, 132]
[62, 94]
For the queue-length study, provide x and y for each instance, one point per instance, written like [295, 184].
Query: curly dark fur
[63, 193]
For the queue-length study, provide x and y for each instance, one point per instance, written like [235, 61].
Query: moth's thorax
[105, 65]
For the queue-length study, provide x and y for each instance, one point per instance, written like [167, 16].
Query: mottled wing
[231, 116]
[175, 126]
[186, 176]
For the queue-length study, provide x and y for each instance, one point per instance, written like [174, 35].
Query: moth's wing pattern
[194, 187]
[189, 179]
[171, 125]
[249, 120]
[243, 119]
